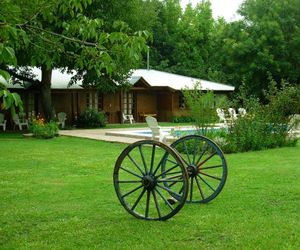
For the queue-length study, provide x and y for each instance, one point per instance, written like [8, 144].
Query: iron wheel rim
[150, 188]
[200, 188]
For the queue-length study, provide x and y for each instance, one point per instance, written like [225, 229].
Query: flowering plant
[41, 129]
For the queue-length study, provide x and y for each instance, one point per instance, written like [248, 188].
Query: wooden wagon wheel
[139, 180]
[206, 166]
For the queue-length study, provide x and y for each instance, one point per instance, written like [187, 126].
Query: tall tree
[168, 14]
[266, 42]
[57, 34]
[193, 41]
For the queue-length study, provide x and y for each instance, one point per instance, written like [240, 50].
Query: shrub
[217, 135]
[43, 130]
[182, 119]
[91, 118]
[266, 126]
[202, 106]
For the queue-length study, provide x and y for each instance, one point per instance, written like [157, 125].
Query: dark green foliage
[213, 134]
[266, 126]
[283, 102]
[57, 34]
[91, 118]
[201, 105]
[181, 39]
[264, 42]
[182, 119]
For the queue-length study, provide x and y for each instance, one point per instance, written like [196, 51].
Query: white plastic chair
[157, 133]
[232, 114]
[2, 121]
[127, 118]
[242, 112]
[20, 123]
[62, 117]
[221, 116]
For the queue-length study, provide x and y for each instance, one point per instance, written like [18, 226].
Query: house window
[181, 101]
[98, 101]
[31, 103]
[94, 100]
[89, 100]
[128, 103]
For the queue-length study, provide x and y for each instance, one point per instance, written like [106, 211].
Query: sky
[225, 8]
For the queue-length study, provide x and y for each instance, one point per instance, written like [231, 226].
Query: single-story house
[153, 92]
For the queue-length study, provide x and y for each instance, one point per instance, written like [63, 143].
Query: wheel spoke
[217, 166]
[142, 177]
[129, 181]
[152, 158]
[202, 153]
[156, 204]
[135, 163]
[211, 176]
[186, 163]
[178, 172]
[170, 191]
[191, 191]
[187, 152]
[160, 162]
[132, 191]
[206, 166]
[164, 173]
[143, 158]
[208, 158]
[171, 161]
[195, 147]
[181, 190]
[170, 178]
[207, 183]
[147, 204]
[128, 171]
[173, 184]
[200, 189]
[138, 199]
[165, 200]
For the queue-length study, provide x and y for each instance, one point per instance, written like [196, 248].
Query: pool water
[179, 133]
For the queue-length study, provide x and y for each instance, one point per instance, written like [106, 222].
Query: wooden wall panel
[164, 105]
[146, 102]
[178, 111]
[112, 106]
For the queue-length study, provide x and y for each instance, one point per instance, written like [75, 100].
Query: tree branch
[21, 77]
[62, 36]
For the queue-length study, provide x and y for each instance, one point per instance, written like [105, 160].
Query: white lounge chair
[127, 118]
[2, 121]
[62, 117]
[157, 133]
[232, 114]
[20, 123]
[242, 112]
[221, 115]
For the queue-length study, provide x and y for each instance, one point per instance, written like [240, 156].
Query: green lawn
[58, 194]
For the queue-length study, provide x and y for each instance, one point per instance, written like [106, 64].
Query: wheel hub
[149, 182]
[192, 170]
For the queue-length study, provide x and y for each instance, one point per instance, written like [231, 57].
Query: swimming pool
[172, 132]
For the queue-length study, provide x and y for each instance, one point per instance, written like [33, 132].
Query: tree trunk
[46, 93]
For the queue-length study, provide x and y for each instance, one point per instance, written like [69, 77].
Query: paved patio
[108, 134]
[100, 134]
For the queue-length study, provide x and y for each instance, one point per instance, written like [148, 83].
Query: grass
[58, 194]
